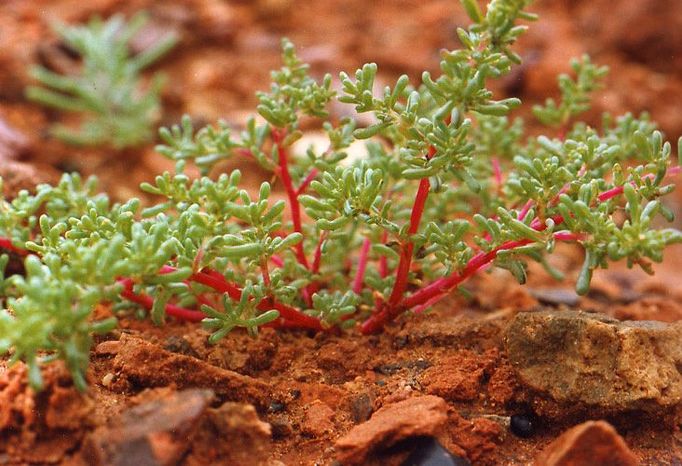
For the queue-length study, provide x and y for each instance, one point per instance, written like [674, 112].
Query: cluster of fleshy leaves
[449, 186]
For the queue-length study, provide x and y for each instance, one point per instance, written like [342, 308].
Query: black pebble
[522, 425]
[429, 452]
[276, 407]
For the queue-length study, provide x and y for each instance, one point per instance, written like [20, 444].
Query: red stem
[285, 176]
[525, 209]
[403, 270]
[215, 280]
[359, 280]
[441, 286]
[317, 256]
[306, 181]
[148, 302]
[6, 243]
[265, 271]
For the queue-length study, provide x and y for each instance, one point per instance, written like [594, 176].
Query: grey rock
[592, 360]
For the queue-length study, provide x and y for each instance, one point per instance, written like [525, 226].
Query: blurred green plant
[115, 107]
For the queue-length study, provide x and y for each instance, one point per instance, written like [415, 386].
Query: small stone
[13, 143]
[361, 407]
[593, 442]
[147, 365]
[427, 451]
[232, 434]
[556, 296]
[280, 424]
[580, 359]
[522, 425]
[108, 379]
[276, 407]
[417, 416]
[180, 345]
[318, 419]
[108, 348]
[154, 433]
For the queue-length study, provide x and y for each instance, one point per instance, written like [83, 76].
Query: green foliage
[449, 185]
[575, 94]
[108, 92]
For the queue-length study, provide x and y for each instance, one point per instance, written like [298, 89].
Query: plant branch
[294, 205]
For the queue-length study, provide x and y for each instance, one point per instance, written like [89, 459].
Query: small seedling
[449, 187]
[116, 108]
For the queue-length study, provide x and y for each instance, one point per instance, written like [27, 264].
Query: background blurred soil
[225, 53]
[227, 49]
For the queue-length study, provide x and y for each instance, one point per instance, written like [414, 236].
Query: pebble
[416, 416]
[429, 452]
[593, 361]
[590, 443]
[154, 433]
[522, 425]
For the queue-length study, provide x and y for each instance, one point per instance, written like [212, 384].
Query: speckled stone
[575, 357]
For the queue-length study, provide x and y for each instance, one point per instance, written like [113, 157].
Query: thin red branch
[317, 255]
[294, 205]
[525, 209]
[306, 181]
[6, 243]
[265, 271]
[147, 302]
[441, 286]
[278, 261]
[405, 262]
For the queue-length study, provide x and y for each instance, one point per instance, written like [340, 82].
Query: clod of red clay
[476, 438]
[418, 416]
[454, 332]
[318, 419]
[13, 143]
[458, 377]
[593, 442]
[597, 362]
[19, 175]
[108, 348]
[144, 364]
[155, 433]
[40, 427]
[231, 435]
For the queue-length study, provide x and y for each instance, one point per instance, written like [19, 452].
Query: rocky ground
[511, 376]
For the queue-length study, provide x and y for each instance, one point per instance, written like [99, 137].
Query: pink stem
[285, 176]
[148, 302]
[306, 181]
[6, 243]
[441, 286]
[524, 211]
[317, 256]
[403, 270]
[278, 261]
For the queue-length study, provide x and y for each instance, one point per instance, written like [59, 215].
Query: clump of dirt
[41, 427]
